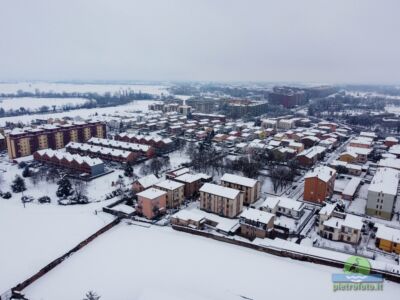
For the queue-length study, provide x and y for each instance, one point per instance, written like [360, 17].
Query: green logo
[357, 265]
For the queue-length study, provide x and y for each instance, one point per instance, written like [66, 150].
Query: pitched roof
[323, 173]
[241, 180]
[219, 190]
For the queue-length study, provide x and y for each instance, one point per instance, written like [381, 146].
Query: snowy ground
[132, 262]
[268, 188]
[33, 236]
[82, 113]
[96, 188]
[33, 104]
[81, 87]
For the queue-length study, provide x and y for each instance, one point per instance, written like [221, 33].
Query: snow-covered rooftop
[387, 233]
[241, 180]
[151, 193]
[323, 173]
[385, 180]
[189, 178]
[148, 181]
[257, 215]
[352, 186]
[169, 184]
[219, 190]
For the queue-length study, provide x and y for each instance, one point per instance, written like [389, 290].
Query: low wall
[283, 252]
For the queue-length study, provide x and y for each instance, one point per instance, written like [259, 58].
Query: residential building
[388, 238]
[176, 172]
[159, 143]
[319, 184]
[251, 188]
[287, 97]
[256, 223]
[340, 227]
[140, 149]
[105, 153]
[382, 193]
[25, 141]
[283, 206]
[391, 141]
[224, 201]
[310, 156]
[151, 203]
[187, 218]
[192, 183]
[351, 188]
[361, 142]
[74, 162]
[174, 190]
[145, 182]
[3, 144]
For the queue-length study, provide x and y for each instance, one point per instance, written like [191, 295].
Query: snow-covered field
[31, 237]
[133, 262]
[14, 87]
[82, 113]
[34, 104]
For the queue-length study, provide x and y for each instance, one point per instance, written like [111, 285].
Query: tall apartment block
[25, 141]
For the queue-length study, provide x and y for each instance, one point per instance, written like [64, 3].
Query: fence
[283, 252]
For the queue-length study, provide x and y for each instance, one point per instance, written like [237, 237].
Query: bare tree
[91, 296]
[80, 189]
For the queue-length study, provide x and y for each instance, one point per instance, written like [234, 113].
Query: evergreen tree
[26, 172]
[128, 172]
[64, 188]
[18, 184]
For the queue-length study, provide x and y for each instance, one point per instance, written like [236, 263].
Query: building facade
[382, 193]
[151, 203]
[224, 201]
[26, 141]
[319, 184]
[251, 188]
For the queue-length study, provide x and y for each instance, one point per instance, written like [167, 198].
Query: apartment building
[251, 188]
[74, 162]
[25, 141]
[145, 182]
[174, 190]
[319, 184]
[192, 183]
[224, 201]
[152, 203]
[382, 193]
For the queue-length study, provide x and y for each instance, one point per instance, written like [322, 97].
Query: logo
[356, 276]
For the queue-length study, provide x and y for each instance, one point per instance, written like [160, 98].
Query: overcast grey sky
[298, 40]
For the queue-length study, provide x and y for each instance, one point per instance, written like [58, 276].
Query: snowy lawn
[33, 236]
[96, 189]
[132, 262]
